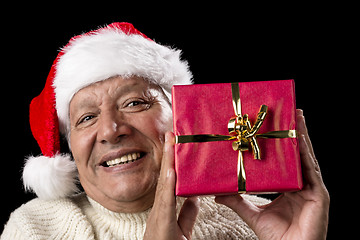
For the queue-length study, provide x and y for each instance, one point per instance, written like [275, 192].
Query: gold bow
[241, 126]
[243, 133]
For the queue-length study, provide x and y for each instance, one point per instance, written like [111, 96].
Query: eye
[136, 105]
[85, 119]
[133, 103]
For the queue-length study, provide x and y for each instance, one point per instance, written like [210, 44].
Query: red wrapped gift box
[205, 166]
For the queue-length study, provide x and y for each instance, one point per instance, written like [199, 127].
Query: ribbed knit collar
[104, 211]
[115, 225]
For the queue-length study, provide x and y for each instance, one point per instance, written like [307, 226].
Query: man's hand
[296, 215]
[162, 222]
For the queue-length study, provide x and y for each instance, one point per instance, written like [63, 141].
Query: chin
[132, 189]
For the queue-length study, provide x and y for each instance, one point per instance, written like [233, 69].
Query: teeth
[124, 159]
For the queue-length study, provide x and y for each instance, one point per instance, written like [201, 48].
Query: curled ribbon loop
[246, 135]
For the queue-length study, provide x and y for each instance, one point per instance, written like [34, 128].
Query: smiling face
[116, 138]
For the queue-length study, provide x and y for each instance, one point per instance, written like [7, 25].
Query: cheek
[155, 127]
[161, 118]
[81, 146]
[164, 121]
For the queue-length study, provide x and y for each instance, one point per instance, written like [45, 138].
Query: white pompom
[50, 178]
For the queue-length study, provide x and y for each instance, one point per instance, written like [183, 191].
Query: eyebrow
[119, 91]
[122, 90]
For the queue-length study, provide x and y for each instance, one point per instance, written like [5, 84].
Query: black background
[311, 44]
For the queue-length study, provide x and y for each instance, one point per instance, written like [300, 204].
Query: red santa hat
[115, 50]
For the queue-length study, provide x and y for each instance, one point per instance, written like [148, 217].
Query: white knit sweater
[80, 217]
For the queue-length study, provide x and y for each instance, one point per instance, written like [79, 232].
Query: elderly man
[108, 93]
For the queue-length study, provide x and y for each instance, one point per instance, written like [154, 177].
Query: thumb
[244, 208]
[188, 214]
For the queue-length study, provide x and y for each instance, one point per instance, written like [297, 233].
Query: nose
[112, 128]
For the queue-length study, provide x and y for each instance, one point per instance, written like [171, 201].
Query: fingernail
[166, 142]
[197, 201]
[166, 137]
[168, 173]
[166, 147]
[303, 138]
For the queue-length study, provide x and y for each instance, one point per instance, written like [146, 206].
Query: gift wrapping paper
[211, 168]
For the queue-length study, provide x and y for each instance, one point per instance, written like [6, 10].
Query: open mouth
[127, 158]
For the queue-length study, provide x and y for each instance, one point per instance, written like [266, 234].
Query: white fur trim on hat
[50, 178]
[110, 52]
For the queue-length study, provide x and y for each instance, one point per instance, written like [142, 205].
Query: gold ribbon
[242, 132]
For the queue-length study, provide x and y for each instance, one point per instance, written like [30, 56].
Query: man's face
[116, 138]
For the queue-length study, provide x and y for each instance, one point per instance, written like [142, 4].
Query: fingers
[314, 187]
[190, 208]
[302, 129]
[162, 222]
[311, 170]
[305, 142]
[188, 214]
[167, 163]
[310, 166]
[165, 198]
